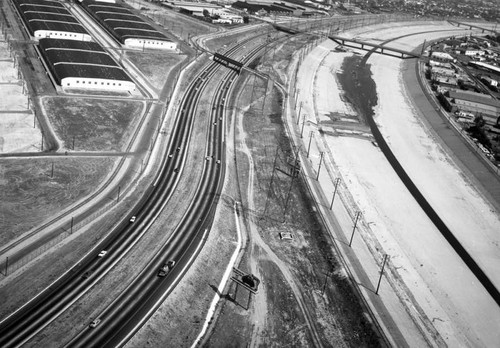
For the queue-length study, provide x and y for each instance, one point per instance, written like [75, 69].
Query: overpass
[367, 46]
[472, 26]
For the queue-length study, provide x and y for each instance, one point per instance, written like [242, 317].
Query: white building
[142, 43]
[226, 16]
[55, 34]
[442, 57]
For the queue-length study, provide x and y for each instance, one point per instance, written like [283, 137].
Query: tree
[477, 131]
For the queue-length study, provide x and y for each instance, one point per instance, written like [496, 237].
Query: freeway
[137, 303]
[33, 317]
[32, 240]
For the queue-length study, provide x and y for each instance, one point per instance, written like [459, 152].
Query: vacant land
[87, 124]
[155, 65]
[304, 291]
[33, 190]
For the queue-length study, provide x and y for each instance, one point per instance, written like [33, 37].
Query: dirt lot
[155, 65]
[31, 192]
[87, 124]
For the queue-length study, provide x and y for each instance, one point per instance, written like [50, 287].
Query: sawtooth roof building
[49, 19]
[477, 103]
[126, 27]
[83, 65]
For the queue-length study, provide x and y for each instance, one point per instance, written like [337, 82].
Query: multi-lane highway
[145, 293]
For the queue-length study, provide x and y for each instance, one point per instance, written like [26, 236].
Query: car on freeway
[95, 323]
[132, 219]
[102, 253]
[86, 274]
[167, 266]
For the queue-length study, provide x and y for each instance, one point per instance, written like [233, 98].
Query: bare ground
[31, 192]
[87, 124]
[155, 65]
[305, 298]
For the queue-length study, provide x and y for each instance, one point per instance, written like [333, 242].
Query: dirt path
[260, 250]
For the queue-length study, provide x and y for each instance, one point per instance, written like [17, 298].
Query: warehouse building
[127, 28]
[476, 103]
[49, 19]
[83, 65]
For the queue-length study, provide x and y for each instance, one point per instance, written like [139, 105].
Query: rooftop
[475, 98]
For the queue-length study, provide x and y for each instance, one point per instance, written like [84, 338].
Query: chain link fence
[14, 262]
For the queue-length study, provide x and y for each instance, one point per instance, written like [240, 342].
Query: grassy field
[31, 193]
[93, 124]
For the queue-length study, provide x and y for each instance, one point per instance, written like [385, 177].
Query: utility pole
[354, 227]
[298, 116]
[303, 124]
[297, 91]
[326, 280]
[381, 273]
[52, 172]
[337, 182]
[309, 146]
[320, 162]
[118, 197]
[287, 200]
[71, 230]
[271, 182]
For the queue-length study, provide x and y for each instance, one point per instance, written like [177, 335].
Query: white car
[102, 253]
[95, 323]
[167, 266]
[132, 219]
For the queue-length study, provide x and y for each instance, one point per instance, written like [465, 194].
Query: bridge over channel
[368, 46]
[472, 26]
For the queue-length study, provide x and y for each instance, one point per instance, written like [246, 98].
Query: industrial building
[127, 28]
[442, 57]
[275, 8]
[83, 65]
[49, 19]
[476, 103]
